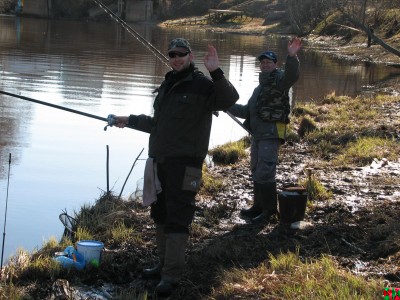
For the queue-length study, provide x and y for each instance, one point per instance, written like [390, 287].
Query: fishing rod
[132, 31]
[110, 119]
[146, 43]
[5, 213]
[237, 121]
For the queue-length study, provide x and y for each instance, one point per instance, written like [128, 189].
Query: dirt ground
[358, 228]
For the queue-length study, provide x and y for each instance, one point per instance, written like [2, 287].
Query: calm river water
[58, 159]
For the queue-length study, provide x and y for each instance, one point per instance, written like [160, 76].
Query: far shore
[355, 49]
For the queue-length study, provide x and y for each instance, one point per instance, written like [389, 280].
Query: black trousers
[180, 181]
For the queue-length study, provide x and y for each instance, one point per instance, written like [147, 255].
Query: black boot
[166, 287]
[263, 218]
[269, 202]
[256, 208]
[251, 212]
[155, 272]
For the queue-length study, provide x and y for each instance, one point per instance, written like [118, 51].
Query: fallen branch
[348, 27]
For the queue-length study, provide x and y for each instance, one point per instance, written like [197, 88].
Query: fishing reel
[111, 121]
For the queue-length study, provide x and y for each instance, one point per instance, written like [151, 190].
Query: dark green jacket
[183, 111]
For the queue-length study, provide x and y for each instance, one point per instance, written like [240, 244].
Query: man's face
[267, 65]
[179, 59]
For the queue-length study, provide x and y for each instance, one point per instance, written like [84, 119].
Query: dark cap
[179, 43]
[268, 55]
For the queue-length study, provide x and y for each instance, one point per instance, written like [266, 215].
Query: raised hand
[211, 60]
[294, 46]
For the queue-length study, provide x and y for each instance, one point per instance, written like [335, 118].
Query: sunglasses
[179, 54]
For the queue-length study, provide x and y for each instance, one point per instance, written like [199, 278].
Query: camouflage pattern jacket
[268, 129]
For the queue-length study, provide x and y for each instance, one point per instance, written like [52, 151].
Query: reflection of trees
[13, 116]
[380, 75]
[323, 73]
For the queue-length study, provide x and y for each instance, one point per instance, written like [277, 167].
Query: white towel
[151, 183]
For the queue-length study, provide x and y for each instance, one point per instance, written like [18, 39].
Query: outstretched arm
[139, 122]
[294, 46]
[292, 65]
[223, 93]
[211, 60]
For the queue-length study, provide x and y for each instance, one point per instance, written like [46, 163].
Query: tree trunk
[373, 36]
[363, 9]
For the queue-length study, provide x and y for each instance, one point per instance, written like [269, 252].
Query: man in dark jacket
[266, 115]
[179, 137]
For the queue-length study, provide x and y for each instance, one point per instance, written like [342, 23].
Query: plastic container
[70, 258]
[76, 261]
[91, 250]
[292, 204]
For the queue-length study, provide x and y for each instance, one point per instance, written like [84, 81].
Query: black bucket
[292, 204]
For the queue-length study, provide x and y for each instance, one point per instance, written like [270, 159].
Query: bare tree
[355, 12]
[304, 15]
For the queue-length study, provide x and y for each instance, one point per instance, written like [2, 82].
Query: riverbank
[355, 224]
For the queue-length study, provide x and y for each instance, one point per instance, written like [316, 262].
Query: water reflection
[99, 68]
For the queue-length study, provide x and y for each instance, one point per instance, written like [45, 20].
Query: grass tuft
[364, 150]
[210, 185]
[315, 189]
[230, 153]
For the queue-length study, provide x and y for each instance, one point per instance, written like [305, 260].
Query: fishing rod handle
[111, 121]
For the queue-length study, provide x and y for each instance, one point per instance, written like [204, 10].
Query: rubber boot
[174, 263]
[155, 272]
[269, 202]
[256, 208]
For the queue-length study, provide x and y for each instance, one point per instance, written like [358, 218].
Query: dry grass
[287, 277]
[231, 152]
[354, 130]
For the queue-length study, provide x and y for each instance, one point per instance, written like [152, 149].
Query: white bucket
[91, 250]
